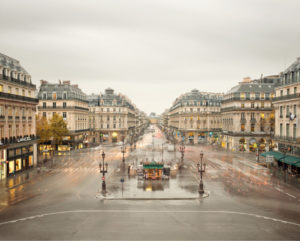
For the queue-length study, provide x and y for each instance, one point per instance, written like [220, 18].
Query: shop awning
[277, 155]
[156, 166]
[291, 160]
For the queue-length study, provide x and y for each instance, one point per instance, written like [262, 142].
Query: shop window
[30, 160]
[18, 164]
[11, 167]
[24, 150]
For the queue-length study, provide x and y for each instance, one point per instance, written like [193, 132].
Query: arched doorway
[262, 144]
[252, 145]
[242, 144]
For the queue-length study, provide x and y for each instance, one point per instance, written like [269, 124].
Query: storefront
[242, 144]
[262, 144]
[19, 158]
[201, 137]
[114, 137]
[252, 145]
[153, 170]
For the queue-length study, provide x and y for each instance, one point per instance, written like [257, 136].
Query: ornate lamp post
[201, 170]
[182, 149]
[123, 150]
[103, 169]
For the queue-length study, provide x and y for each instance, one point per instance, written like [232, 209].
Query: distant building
[18, 142]
[117, 118]
[194, 117]
[71, 103]
[287, 110]
[248, 116]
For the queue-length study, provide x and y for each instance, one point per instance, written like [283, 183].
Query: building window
[23, 92]
[287, 130]
[54, 96]
[44, 114]
[65, 96]
[114, 126]
[29, 93]
[44, 104]
[287, 111]
[288, 91]
[252, 104]
[107, 126]
[242, 116]
[107, 118]
[281, 130]
[64, 115]
[295, 110]
[64, 104]
[262, 95]
[9, 90]
[281, 92]
[243, 96]
[54, 104]
[107, 109]
[17, 91]
[252, 127]
[1, 88]
[281, 111]
[262, 104]
[295, 90]
[294, 131]
[242, 105]
[242, 127]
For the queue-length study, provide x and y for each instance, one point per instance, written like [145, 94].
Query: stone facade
[194, 117]
[248, 116]
[18, 144]
[117, 118]
[287, 110]
[71, 103]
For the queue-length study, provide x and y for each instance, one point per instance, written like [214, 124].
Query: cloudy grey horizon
[151, 50]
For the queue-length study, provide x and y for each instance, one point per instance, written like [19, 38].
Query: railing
[287, 97]
[7, 78]
[243, 99]
[23, 117]
[18, 97]
[244, 133]
[286, 138]
[236, 108]
[63, 107]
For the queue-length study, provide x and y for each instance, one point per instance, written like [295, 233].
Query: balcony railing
[287, 97]
[287, 138]
[18, 97]
[7, 78]
[62, 107]
[235, 108]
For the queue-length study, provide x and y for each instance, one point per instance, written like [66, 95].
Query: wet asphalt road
[64, 201]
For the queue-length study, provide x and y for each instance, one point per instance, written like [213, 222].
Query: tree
[42, 129]
[58, 129]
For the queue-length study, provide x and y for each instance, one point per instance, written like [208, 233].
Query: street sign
[122, 180]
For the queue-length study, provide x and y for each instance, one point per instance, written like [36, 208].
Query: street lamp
[201, 170]
[182, 149]
[103, 169]
[123, 150]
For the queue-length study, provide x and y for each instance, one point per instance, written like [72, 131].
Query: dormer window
[54, 96]
[44, 95]
[64, 95]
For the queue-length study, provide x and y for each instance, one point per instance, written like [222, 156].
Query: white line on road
[149, 211]
[290, 195]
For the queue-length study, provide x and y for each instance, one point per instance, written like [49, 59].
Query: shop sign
[24, 139]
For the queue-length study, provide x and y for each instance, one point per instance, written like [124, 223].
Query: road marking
[149, 211]
[290, 195]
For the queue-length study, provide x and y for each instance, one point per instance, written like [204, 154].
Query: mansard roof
[12, 64]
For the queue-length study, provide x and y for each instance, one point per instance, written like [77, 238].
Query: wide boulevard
[64, 200]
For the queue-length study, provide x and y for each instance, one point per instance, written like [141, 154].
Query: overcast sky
[152, 51]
